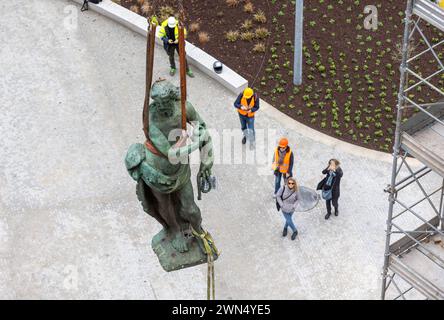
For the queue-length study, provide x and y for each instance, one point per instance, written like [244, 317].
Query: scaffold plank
[412, 277]
[400, 246]
[430, 12]
[423, 154]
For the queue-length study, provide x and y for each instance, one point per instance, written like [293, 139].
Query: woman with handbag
[286, 199]
[330, 186]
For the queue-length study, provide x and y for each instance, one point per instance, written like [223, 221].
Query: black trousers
[335, 205]
[170, 50]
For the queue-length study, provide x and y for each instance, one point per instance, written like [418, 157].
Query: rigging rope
[210, 250]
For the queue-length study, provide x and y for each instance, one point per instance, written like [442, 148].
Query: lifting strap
[183, 77]
[150, 38]
[150, 44]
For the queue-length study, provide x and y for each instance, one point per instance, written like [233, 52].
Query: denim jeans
[289, 221]
[277, 181]
[247, 126]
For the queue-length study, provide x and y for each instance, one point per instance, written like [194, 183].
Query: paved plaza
[71, 226]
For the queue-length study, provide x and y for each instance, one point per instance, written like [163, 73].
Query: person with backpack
[331, 185]
[286, 199]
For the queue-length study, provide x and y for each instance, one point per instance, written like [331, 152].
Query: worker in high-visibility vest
[441, 3]
[169, 33]
[247, 103]
[282, 163]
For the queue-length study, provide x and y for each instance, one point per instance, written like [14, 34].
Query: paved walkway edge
[234, 82]
[315, 135]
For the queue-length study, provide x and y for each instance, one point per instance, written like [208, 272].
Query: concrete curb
[337, 144]
[197, 57]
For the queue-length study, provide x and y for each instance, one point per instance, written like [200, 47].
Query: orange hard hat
[248, 93]
[283, 143]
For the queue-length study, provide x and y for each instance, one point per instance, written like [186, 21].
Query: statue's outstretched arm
[200, 140]
[159, 140]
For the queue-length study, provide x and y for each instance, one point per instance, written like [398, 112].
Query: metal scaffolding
[414, 254]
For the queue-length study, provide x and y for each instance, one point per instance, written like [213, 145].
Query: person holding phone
[169, 33]
[331, 186]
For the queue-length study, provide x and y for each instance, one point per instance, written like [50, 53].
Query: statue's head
[164, 91]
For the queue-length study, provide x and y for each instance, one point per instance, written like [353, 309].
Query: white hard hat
[172, 22]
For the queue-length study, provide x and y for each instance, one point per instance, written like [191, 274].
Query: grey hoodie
[287, 199]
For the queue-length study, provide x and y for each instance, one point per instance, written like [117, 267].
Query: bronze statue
[162, 172]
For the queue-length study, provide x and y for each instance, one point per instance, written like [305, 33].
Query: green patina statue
[162, 171]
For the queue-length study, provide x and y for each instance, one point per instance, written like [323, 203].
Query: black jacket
[336, 188]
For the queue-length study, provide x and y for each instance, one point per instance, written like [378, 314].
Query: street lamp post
[298, 41]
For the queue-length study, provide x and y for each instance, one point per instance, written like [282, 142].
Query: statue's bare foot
[179, 242]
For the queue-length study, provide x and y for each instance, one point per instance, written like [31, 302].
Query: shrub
[259, 47]
[232, 3]
[261, 33]
[232, 36]
[165, 12]
[260, 17]
[248, 7]
[203, 37]
[194, 27]
[146, 8]
[135, 8]
[247, 36]
[247, 24]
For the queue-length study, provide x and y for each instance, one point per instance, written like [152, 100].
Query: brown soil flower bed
[351, 75]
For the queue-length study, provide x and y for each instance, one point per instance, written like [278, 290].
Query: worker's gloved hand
[170, 41]
[176, 41]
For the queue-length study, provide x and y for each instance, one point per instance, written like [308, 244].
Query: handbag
[327, 190]
[327, 194]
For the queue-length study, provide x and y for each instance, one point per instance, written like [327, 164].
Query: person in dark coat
[331, 186]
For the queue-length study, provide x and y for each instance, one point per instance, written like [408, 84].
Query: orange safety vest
[244, 102]
[283, 168]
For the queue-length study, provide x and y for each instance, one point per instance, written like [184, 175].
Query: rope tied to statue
[210, 251]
